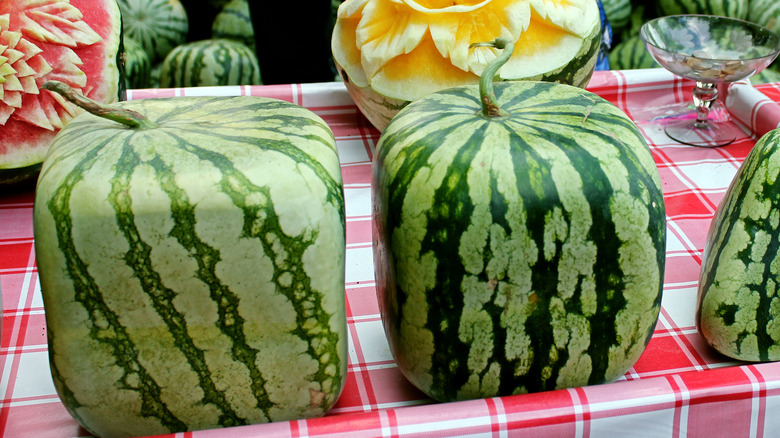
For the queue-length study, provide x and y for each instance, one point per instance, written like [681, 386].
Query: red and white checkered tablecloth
[679, 387]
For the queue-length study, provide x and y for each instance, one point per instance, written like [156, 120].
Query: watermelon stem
[490, 107]
[124, 116]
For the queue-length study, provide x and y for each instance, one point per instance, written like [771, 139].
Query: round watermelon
[158, 25]
[211, 62]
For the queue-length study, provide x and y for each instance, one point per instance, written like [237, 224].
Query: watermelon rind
[13, 177]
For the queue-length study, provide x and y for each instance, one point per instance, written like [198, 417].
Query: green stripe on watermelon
[738, 310]
[517, 253]
[183, 320]
[104, 325]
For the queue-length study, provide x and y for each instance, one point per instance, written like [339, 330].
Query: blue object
[606, 41]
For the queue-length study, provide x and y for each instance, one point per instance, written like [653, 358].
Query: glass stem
[704, 94]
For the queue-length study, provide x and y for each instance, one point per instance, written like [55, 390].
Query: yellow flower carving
[404, 49]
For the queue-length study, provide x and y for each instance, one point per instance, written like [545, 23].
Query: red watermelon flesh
[76, 42]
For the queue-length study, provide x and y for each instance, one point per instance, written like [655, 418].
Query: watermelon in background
[631, 53]
[765, 13]
[618, 13]
[767, 75]
[234, 22]
[726, 8]
[137, 64]
[77, 42]
[210, 62]
[158, 25]
[639, 13]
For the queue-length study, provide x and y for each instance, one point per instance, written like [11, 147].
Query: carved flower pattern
[407, 48]
[37, 42]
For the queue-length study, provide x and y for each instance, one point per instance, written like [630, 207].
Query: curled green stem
[490, 107]
[124, 116]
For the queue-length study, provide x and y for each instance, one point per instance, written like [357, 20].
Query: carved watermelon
[390, 53]
[76, 42]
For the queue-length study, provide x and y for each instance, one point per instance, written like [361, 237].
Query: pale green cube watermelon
[193, 271]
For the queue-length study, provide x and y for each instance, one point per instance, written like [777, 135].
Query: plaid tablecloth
[679, 387]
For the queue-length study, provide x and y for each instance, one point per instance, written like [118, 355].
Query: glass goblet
[710, 50]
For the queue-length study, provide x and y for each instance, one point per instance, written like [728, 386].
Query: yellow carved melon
[391, 52]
